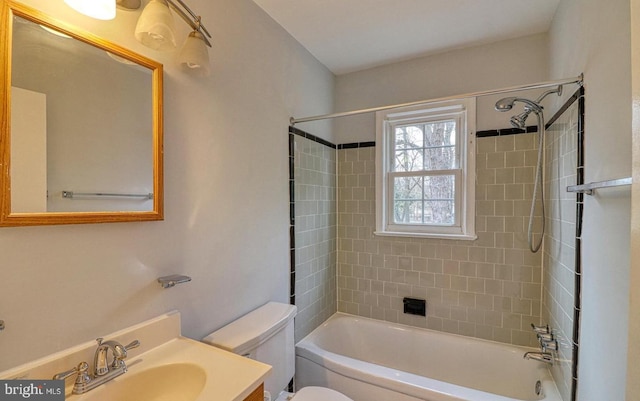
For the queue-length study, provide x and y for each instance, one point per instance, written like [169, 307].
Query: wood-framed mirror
[80, 125]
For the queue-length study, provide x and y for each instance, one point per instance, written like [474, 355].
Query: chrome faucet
[103, 371]
[100, 360]
[547, 341]
[545, 357]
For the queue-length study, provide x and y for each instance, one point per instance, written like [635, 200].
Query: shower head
[519, 121]
[506, 104]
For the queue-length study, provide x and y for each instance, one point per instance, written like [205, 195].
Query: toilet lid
[313, 393]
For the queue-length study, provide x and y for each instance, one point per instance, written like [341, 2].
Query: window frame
[463, 111]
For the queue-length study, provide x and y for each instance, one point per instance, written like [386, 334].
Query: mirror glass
[84, 140]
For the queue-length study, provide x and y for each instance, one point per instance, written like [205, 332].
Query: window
[425, 175]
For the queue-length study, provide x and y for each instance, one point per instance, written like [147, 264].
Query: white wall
[633, 354]
[592, 36]
[503, 64]
[226, 197]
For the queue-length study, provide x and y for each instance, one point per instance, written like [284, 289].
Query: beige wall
[592, 36]
[226, 198]
[315, 234]
[559, 258]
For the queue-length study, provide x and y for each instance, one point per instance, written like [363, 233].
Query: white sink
[173, 382]
[179, 370]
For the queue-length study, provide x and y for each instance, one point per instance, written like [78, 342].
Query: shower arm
[558, 90]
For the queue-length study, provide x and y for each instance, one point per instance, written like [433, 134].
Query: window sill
[458, 237]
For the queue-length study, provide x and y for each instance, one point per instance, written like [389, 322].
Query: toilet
[266, 335]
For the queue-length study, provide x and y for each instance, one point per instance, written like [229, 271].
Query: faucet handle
[82, 370]
[540, 329]
[133, 344]
[83, 381]
[83, 373]
[120, 353]
[65, 375]
[551, 345]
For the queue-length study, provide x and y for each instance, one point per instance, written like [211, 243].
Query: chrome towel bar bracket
[588, 188]
[172, 280]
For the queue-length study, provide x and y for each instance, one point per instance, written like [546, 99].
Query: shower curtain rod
[577, 80]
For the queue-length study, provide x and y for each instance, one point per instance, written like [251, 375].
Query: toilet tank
[266, 335]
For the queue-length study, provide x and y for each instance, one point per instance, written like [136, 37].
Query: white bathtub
[371, 360]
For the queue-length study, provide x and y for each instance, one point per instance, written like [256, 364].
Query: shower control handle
[549, 345]
[540, 329]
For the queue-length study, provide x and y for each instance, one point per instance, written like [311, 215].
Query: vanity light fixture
[155, 28]
[194, 54]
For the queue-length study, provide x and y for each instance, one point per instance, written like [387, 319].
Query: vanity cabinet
[257, 395]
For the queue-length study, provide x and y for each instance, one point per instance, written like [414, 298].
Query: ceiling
[351, 35]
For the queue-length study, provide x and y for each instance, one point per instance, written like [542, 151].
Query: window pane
[409, 160]
[424, 200]
[439, 212]
[439, 187]
[439, 192]
[407, 212]
[440, 133]
[425, 147]
[407, 188]
[407, 204]
[443, 158]
[409, 137]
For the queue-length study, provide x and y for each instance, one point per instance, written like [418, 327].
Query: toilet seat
[313, 393]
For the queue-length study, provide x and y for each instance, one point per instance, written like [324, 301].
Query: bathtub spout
[545, 357]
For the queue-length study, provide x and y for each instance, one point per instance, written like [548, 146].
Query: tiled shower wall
[488, 288]
[561, 148]
[314, 194]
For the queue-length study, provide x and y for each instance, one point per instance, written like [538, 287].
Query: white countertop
[222, 375]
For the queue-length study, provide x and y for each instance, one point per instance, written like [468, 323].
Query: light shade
[98, 9]
[195, 55]
[155, 27]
